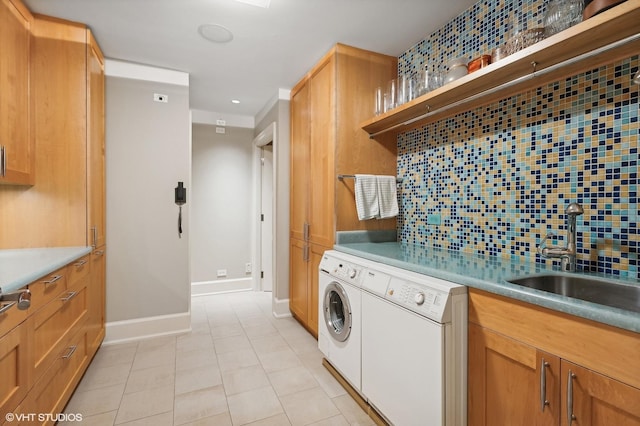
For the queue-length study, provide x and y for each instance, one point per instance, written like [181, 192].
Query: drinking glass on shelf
[379, 101]
[391, 95]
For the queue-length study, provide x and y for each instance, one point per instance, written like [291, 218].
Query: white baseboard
[146, 328]
[221, 286]
[281, 308]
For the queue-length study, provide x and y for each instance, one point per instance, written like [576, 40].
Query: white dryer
[339, 314]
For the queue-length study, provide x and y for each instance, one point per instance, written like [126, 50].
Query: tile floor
[238, 366]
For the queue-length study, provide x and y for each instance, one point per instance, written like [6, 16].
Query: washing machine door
[337, 312]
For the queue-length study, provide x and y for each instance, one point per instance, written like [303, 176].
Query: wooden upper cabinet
[299, 172]
[96, 201]
[17, 143]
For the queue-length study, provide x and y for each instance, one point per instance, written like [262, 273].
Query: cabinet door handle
[306, 231]
[570, 416]
[70, 296]
[99, 253]
[70, 352]
[80, 263]
[305, 253]
[94, 236]
[53, 279]
[543, 384]
[4, 308]
[3, 161]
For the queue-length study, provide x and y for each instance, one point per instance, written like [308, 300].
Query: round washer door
[337, 312]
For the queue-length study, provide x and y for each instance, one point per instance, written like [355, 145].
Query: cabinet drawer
[52, 391]
[78, 270]
[46, 288]
[52, 325]
[11, 317]
[14, 374]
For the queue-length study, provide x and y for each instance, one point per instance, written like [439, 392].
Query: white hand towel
[366, 192]
[387, 196]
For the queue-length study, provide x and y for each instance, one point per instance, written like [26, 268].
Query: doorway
[263, 274]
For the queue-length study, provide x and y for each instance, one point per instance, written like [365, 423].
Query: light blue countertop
[20, 267]
[490, 274]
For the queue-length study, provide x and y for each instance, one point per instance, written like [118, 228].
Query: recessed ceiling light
[215, 33]
[259, 3]
[235, 101]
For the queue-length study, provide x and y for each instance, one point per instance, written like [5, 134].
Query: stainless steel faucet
[568, 253]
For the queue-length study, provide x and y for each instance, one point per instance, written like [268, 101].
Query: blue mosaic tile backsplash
[499, 177]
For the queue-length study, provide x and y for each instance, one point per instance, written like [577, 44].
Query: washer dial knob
[352, 273]
[419, 298]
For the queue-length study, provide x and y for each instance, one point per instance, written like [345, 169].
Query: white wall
[278, 112]
[148, 150]
[222, 211]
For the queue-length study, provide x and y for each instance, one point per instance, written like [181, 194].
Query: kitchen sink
[585, 288]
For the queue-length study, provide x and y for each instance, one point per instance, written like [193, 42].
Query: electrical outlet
[222, 273]
[221, 130]
[247, 268]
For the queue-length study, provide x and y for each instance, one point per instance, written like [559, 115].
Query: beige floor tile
[237, 359]
[308, 406]
[258, 404]
[332, 421]
[154, 357]
[145, 403]
[278, 420]
[150, 378]
[194, 342]
[115, 354]
[164, 419]
[223, 419]
[292, 380]
[267, 344]
[327, 382]
[226, 330]
[196, 379]
[254, 321]
[259, 331]
[96, 401]
[100, 377]
[104, 419]
[279, 360]
[311, 359]
[231, 344]
[245, 379]
[193, 359]
[197, 405]
[352, 411]
[154, 343]
[303, 345]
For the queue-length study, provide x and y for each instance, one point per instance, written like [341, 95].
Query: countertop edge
[66, 256]
[591, 311]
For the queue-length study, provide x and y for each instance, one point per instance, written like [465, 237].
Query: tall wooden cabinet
[530, 365]
[17, 156]
[327, 106]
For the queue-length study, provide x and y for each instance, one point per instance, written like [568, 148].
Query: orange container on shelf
[478, 63]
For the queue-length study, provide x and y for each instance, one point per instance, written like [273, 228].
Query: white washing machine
[414, 347]
[339, 314]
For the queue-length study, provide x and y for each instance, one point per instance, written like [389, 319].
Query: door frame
[265, 137]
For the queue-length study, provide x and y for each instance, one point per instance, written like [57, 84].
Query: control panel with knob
[419, 298]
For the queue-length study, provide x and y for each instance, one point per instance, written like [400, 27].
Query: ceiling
[271, 48]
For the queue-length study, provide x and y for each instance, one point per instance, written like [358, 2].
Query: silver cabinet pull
[80, 263]
[70, 296]
[3, 161]
[99, 253]
[305, 253]
[570, 416]
[70, 352]
[53, 279]
[306, 231]
[94, 236]
[5, 307]
[543, 384]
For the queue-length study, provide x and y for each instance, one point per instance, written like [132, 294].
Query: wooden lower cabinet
[14, 372]
[303, 291]
[591, 399]
[519, 373]
[96, 292]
